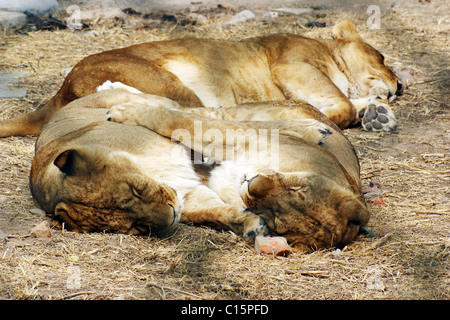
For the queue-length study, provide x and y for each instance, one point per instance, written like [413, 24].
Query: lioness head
[311, 211]
[96, 190]
[364, 63]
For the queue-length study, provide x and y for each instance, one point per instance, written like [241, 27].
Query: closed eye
[136, 193]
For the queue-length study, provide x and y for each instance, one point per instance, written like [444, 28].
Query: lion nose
[175, 213]
[249, 181]
[399, 91]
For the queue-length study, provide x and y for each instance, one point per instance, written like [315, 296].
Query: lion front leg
[307, 83]
[304, 82]
[220, 139]
[204, 207]
[174, 124]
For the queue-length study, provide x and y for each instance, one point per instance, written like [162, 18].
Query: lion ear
[345, 29]
[260, 185]
[73, 162]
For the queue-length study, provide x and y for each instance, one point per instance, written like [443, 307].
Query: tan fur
[340, 77]
[313, 198]
[96, 175]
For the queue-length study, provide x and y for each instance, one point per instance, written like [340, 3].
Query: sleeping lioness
[344, 78]
[131, 174]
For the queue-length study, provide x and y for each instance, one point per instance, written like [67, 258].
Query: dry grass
[407, 259]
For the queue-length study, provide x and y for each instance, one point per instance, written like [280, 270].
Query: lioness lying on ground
[118, 175]
[342, 77]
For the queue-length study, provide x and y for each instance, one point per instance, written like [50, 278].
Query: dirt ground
[408, 258]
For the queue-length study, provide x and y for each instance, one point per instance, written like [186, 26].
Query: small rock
[294, 11]
[10, 87]
[73, 258]
[242, 16]
[3, 236]
[379, 201]
[10, 20]
[409, 271]
[338, 254]
[321, 7]
[37, 7]
[169, 18]
[311, 24]
[268, 16]
[405, 77]
[199, 18]
[276, 246]
[37, 211]
[42, 230]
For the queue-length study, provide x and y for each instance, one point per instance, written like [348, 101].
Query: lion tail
[30, 123]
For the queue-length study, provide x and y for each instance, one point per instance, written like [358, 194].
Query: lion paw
[122, 113]
[255, 226]
[315, 131]
[324, 134]
[377, 116]
[108, 85]
[310, 130]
